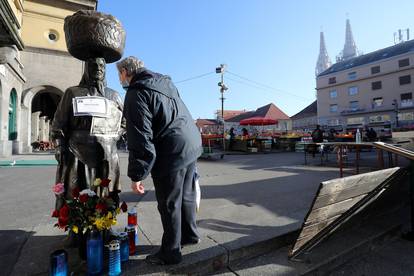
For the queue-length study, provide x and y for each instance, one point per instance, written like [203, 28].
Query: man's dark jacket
[162, 136]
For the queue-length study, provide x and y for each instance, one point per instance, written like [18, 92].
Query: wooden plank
[332, 210]
[337, 200]
[357, 187]
[339, 184]
[334, 198]
[311, 229]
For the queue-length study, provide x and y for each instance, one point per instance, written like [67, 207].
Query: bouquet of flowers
[88, 210]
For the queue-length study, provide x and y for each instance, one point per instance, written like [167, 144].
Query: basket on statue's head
[92, 34]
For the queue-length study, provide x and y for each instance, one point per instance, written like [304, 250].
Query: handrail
[397, 150]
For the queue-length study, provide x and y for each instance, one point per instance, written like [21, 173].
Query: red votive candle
[132, 217]
[131, 239]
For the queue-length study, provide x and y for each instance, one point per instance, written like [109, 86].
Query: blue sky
[270, 42]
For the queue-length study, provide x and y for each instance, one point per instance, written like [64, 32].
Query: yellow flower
[99, 223]
[97, 182]
[75, 229]
[118, 211]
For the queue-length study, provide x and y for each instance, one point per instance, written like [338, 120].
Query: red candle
[132, 217]
[131, 239]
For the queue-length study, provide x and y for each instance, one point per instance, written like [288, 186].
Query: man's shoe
[157, 259]
[190, 242]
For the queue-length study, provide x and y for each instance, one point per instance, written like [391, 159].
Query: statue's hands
[60, 153]
[138, 187]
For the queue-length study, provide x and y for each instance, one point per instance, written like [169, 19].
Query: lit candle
[59, 263]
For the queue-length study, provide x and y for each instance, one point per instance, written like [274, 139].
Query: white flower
[89, 192]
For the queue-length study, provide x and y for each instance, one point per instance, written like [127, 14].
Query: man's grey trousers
[176, 197]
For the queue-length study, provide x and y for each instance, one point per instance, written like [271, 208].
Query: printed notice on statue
[90, 106]
[108, 127]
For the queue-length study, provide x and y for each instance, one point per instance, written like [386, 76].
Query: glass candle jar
[131, 239]
[94, 248]
[123, 240]
[114, 258]
[132, 217]
[59, 263]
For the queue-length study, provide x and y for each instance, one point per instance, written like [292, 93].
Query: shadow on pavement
[12, 242]
[25, 253]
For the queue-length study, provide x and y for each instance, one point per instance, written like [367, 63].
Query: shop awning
[258, 121]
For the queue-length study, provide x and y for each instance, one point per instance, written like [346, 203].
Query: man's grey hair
[130, 64]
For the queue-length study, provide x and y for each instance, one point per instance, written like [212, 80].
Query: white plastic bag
[197, 189]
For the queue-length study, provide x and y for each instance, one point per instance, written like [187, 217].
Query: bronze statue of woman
[85, 130]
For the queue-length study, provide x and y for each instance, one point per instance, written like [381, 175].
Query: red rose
[100, 206]
[75, 192]
[55, 214]
[64, 211]
[63, 222]
[124, 207]
[105, 182]
[83, 198]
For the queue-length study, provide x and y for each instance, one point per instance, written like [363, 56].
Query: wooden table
[341, 146]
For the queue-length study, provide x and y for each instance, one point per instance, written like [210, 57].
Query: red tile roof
[206, 122]
[270, 111]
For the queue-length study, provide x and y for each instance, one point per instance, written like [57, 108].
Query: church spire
[350, 49]
[323, 62]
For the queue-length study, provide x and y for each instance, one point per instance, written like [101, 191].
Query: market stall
[263, 141]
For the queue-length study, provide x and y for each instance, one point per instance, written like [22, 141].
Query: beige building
[35, 68]
[374, 90]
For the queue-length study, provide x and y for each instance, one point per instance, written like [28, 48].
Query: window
[403, 62]
[352, 76]
[376, 85]
[52, 35]
[353, 90]
[406, 99]
[407, 116]
[353, 105]
[333, 108]
[355, 121]
[375, 70]
[405, 79]
[379, 118]
[333, 122]
[377, 102]
[333, 94]
[332, 80]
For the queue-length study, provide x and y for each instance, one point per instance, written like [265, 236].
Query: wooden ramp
[337, 201]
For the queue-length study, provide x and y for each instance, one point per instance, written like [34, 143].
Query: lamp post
[220, 70]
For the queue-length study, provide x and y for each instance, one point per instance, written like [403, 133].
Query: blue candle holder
[59, 263]
[94, 247]
[114, 258]
[123, 240]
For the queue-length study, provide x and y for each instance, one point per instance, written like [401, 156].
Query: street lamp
[220, 70]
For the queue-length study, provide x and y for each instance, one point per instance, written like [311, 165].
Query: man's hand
[137, 187]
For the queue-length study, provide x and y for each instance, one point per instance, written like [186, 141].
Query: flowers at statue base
[58, 188]
[87, 210]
